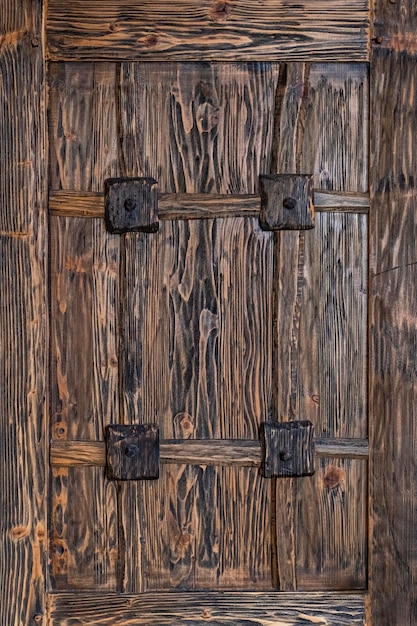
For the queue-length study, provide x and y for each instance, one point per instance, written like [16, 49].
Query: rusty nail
[289, 203]
[378, 39]
[35, 42]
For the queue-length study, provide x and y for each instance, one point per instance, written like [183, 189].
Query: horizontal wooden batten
[190, 206]
[241, 452]
[186, 30]
[199, 608]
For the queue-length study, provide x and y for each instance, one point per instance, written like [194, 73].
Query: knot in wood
[220, 12]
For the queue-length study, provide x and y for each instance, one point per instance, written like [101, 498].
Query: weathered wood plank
[244, 452]
[321, 127]
[290, 114]
[190, 31]
[200, 206]
[332, 527]
[23, 313]
[233, 609]
[189, 128]
[393, 318]
[84, 376]
[332, 386]
[335, 142]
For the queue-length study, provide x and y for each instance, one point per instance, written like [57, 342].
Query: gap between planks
[190, 206]
[239, 452]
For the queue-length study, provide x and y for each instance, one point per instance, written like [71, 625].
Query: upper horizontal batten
[334, 30]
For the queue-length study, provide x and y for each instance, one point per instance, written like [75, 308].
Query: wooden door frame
[392, 597]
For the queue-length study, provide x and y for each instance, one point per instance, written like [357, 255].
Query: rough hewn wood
[321, 126]
[290, 113]
[393, 318]
[199, 206]
[287, 449]
[23, 314]
[332, 353]
[335, 143]
[132, 451]
[84, 372]
[186, 30]
[131, 205]
[186, 133]
[199, 452]
[198, 609]
[286, 202]
[332, 526]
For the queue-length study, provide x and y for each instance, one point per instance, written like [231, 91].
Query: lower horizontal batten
[232, 608]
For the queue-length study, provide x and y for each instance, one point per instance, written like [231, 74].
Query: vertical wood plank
[332, 389]
[393, 318]
[23, 319]
[290, 116]
[196, 128]
[335, 142]
[321, 127]
[84, 275]
[332, 535]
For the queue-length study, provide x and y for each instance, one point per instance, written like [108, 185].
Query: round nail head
[285, 455]
[129, 204]
[289, 203]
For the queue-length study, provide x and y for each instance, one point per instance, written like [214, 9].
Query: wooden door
[209, 326]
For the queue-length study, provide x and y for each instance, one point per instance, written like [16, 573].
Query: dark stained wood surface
[198, 609]
[321, 127]
[84, 305]
[198, 295]
[183, 124]
[200, 452]
[185, 30]
[332, 386]
[200, 206]
[23, 314]
[331, 531]
[393, 318]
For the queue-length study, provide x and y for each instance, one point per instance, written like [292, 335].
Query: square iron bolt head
[132, 451]
[131, 205]
[287, 449]
[286, 202]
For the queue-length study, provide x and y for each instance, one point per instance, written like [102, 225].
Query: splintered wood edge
[200, 206]
[241, 452]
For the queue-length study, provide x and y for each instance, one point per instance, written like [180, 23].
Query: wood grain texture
[200, 206]
[191, 31]
[321, 126]
[84, 373]
[332, 386]
[335, 142]
[332, 526]
[200, 451]
[290, 114]
[393, 324]
[198, 609]
[23, 314]
[181, 127]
